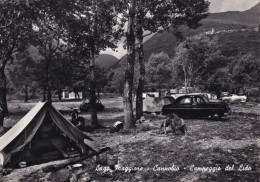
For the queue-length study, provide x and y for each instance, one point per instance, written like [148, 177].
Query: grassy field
[225, 150]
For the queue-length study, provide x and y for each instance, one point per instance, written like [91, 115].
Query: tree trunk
[60, 94]
[47, 85]
[85, 89]
[44, 92]
[129, 73]
[140, 88]
[26, 93]
[49, 93]
[92, 85]
[92, 99]
[185, 81]
[3, 104]
[160, 88]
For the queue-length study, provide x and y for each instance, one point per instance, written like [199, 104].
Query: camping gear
[154, 105]
[85, 106]
[77, 120]
[43, 133]
[116, 127]
[77, 165]
[22, 164]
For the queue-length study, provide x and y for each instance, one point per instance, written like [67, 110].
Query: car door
[184, 108]
[200, 108]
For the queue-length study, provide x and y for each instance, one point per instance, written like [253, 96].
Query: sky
[231, 5]
[215, 6]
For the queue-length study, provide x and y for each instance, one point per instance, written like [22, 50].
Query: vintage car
[235, 98]
[196, 106]
[224, 94]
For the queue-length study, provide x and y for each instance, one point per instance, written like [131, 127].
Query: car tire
[213, 116]
[220, 115]
[217, 116]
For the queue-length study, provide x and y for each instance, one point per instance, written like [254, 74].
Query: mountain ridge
[230, 20]
[106, 61]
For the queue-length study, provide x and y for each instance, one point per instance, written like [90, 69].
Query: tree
[218, 81]
[101, 79]
[48, 40]
[14, 29]
[118, 77]
[117, 81]
[153, 16]
[157, 16]
[159, 72]
[24, 68]
[196, 58]
[244, 70]
[129, 72]
[96, 30]
[65, 72]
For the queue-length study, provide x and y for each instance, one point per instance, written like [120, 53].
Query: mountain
[248, 18]
[232, 20]
[165, 41]
[106, 61]
[255, 9]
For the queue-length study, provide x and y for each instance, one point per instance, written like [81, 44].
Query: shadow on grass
[112, 110]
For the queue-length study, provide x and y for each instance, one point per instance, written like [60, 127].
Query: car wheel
[220, 115]
[214, 116]
[217, 115]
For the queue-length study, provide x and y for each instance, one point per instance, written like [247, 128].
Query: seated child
[177, 124]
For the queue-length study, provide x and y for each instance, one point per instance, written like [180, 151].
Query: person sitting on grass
[177, 124]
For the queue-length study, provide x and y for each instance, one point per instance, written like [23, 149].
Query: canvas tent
[43, 130]
[152, 104]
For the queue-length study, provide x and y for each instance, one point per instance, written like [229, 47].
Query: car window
[198, 100]
[185, 101]
[206, 99]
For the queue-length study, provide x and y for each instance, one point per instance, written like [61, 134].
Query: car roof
[190, 95]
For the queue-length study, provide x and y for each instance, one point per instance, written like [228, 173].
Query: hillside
[106, 61]
[248, 18]
[160, 42]
[219, 22]
[246, 42]
[255, 9]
